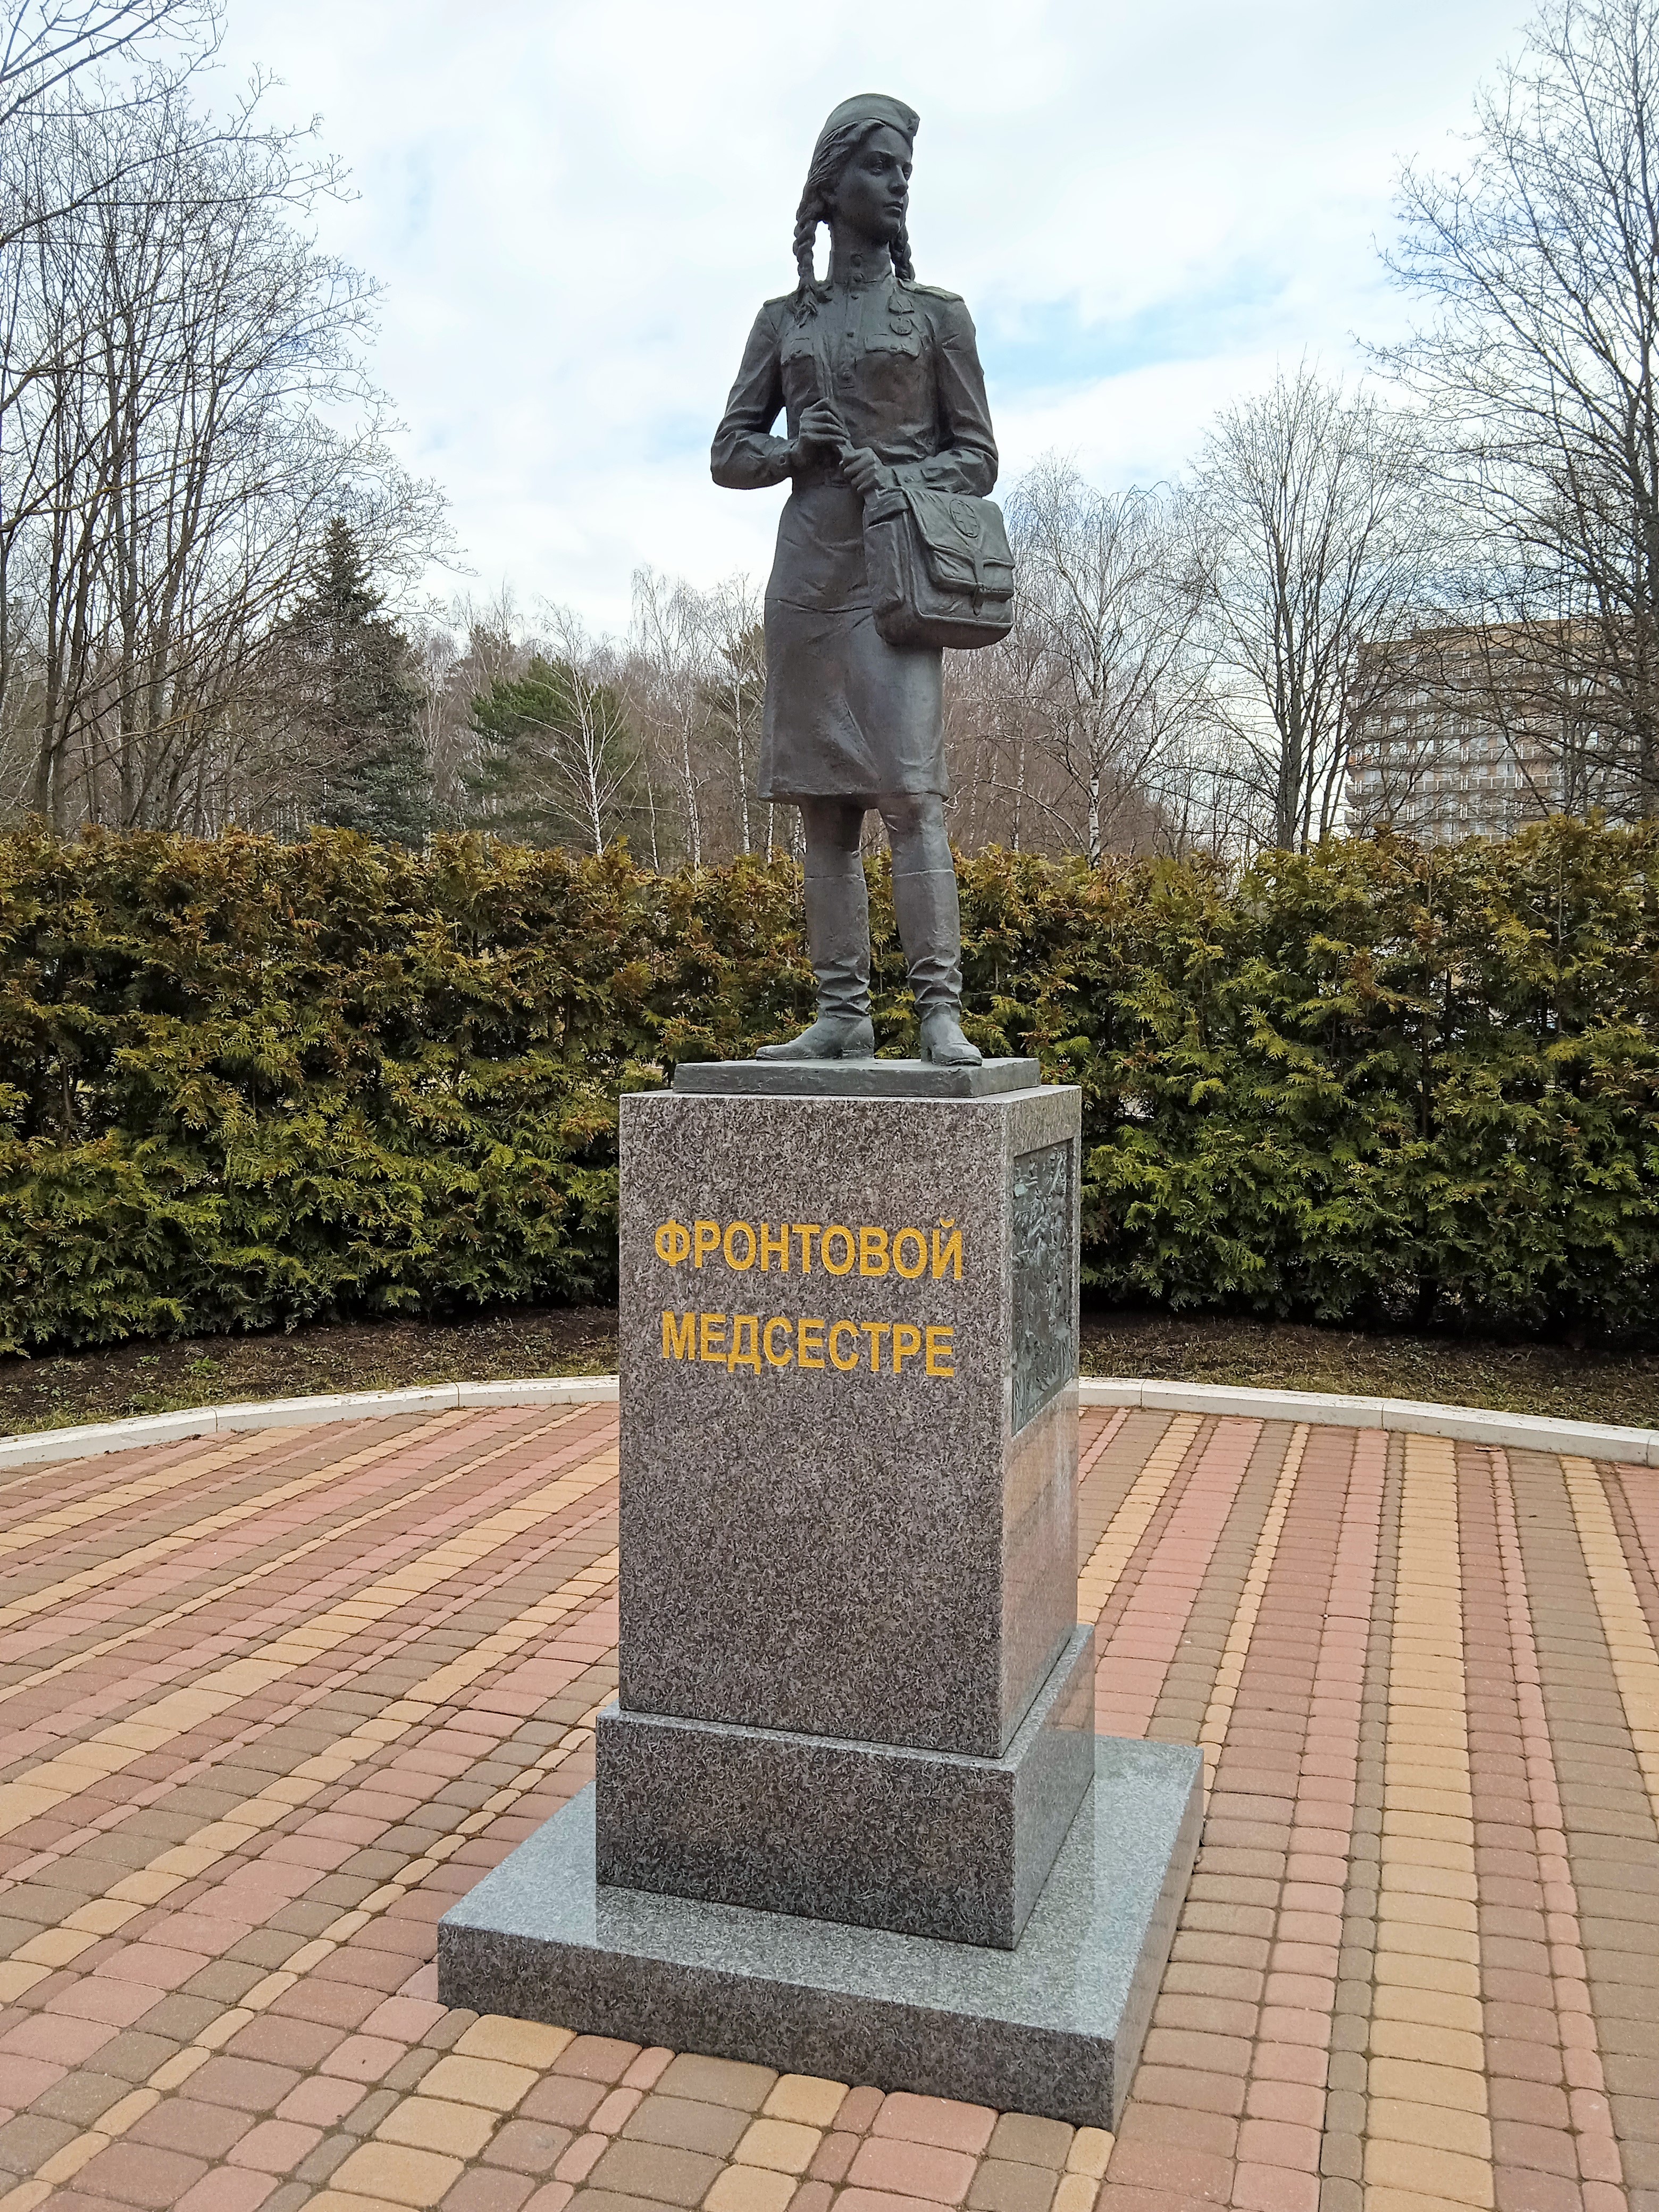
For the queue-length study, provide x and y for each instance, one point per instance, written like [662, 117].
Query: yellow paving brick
[1411, 1970]
[1376, 2200]
[174, 2071]
[787, 2145]
[400, 2174]
[1405, 2080]
[486, 2081]
[1443, 2173]
[1417, 1879]
[1408, 1908]
[1432, 1828]
[55, 1947]
[805, 2097]
[518, 2042]
[431, 2124]
[1450, 1852]
[1430, 2046]
[749, 2189]
[1434, 1801]
[101, 1915]
[1419, 1940]
[1091, 2149]
[1078, 2192]
[1431, 2008]
[1434, 2127]
[341, 2200]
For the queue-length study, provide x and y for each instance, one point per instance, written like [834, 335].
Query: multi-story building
[1470, 733]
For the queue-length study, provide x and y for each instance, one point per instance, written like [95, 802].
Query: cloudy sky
[576, 207]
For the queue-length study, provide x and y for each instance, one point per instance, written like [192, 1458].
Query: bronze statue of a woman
[879, 381]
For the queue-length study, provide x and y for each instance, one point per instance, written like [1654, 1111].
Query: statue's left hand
[865, 472]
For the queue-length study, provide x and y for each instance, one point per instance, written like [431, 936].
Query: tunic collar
[863, 270]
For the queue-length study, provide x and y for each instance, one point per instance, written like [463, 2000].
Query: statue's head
[859, 176]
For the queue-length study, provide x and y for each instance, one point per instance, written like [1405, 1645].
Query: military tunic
[847, 716]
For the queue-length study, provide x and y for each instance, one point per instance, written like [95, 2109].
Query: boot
[838, 939]
[930, 930]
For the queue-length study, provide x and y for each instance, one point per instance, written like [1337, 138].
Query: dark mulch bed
[1522, 1377]
[1589, 1384]
[109, 1385]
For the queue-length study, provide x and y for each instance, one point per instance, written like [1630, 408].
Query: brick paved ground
[267, 1705]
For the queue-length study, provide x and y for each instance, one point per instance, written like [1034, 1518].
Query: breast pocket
[897, 374]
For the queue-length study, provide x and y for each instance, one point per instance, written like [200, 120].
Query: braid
[808, 216]
[903, 266]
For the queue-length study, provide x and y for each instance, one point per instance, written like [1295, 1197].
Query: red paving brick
[1415, 1967]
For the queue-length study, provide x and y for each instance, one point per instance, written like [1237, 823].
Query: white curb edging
[298, 1413]
[1464, 1423]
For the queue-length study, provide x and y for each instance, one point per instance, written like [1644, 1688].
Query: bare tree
[1312, 527]
[1539, 262]
[735, 692]
[668, 669]
[189, 408]
[44, 44]
[1107, 631]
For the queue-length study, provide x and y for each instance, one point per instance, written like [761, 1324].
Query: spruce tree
[346, 688]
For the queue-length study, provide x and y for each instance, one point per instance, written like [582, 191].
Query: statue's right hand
[821, 433]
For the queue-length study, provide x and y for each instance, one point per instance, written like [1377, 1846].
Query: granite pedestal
[1054, 2026]
[855, 1711]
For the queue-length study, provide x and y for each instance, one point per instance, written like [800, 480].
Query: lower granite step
[1053, 2027]
[930, 1842]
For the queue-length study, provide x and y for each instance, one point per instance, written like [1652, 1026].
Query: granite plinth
[1054, 2026]
[810, 1541]
[853, 1078]
[926, 1842]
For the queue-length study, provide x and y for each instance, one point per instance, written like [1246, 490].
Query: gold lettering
[872, 1251]
[949, 1251]
[774, 1247]
[846, 1237]
[713, 1334]
[740, 1356]
[679, 1336]
[907, 1342]
[673, 1242]
[807, 1230]
[835, 1359]
[731, 1259]
[920, 1243]
[809, 1340]
[778, 1358]
[875, 1330]
[706, 1235]
[940, 1351]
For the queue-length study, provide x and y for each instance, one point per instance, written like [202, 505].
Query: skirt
[847, 716]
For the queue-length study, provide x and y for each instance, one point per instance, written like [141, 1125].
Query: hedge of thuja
[244, 1083]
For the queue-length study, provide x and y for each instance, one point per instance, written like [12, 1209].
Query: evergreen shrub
[244, 1083]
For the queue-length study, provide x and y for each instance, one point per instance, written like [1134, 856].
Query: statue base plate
[1053, 2027]
[853, 1078]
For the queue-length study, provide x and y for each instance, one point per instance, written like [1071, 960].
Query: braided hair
[835, 151]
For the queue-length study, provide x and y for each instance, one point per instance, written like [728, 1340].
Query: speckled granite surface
[926, 1842]
[839, 1550]
[854, 1078]
[1053, 2027]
